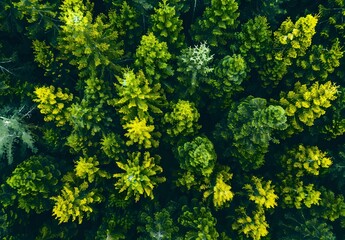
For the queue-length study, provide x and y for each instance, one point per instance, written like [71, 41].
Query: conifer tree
[183, 120]
[139, 177]
[254, 226]
[88, 42]
[137, 97]
[12, 129]
[75, 203]
[35, 180]
[152, 56]
[291, 41]
[305, 104]
[167, 26]
[217, 23]
[250, 127]
[199, 222]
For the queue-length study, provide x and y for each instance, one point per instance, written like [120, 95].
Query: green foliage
[167, 26]
[152, 56]
[87, 115]
[197, 156]
[291, 41]
[231, 71]
[299, 227]
[75, 203]
[43, 54]
[125, 19]
[52, 104]
[217, 23]
[319, 63]
[89, 43]
[334, 122]
[139, 132]
[295, 193]
[251, 124]
[306, 160]
[221, 190]
[158, 226]
[305, 104]
[332, 205]
[221, 90]
[88, 168]
[136, 97]
[261, 192]
[112, 146]
[139, 177]
[37, 12]
[183, 120]
[13, 129]
[199, 222]
[35, 180]
[256, 40]
[254, 226]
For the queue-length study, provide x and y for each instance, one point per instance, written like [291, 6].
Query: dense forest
[172, 119]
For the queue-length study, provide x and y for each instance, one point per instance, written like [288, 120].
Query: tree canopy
[172, 119]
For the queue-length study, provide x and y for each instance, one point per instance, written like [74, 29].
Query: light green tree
[304, 104]
[183, 120]
[139, 176]
[167, 25]
[152, 57]
[35, 180]
[75, 203]
[199, 222]
[137, 97]
[253, 225]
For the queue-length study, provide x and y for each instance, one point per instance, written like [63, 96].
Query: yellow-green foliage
[222, 193]
[166, 25]
[183, 120]
[200, 223]
[295, 194]
[295, 37]
[152, 56]
[254, 226]
[291, 40]
[90, 43]
[136, 97]
[308, 160]
[262, 193]
[88, 168]
[139, 132]
[305, 104]
[43, 54]
[34, 180]
[74, 203]
[52, 104]
[320, 62]
[139, 177]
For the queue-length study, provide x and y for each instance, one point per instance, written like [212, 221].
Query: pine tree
[12, 129]
[139, 177]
